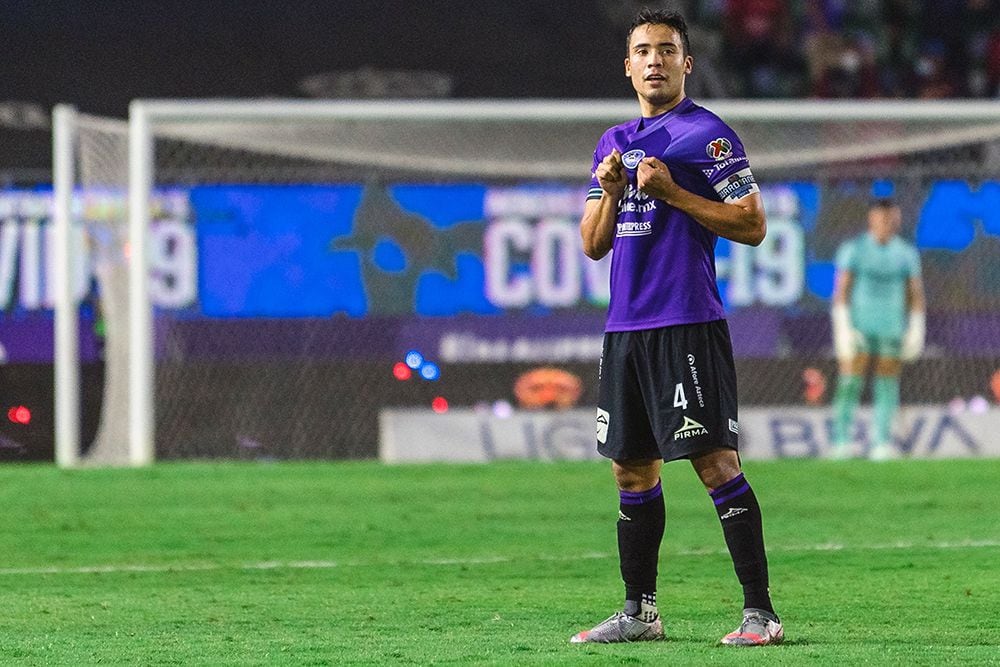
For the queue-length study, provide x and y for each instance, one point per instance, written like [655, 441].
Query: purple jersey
[663, 264]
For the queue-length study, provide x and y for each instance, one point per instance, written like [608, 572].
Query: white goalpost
[66, 343]
[89, 214]
[164, 373]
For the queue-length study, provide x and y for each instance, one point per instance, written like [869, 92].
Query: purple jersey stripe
[638, 498]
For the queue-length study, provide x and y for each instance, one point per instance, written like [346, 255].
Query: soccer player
[665, 186]
[878, 312]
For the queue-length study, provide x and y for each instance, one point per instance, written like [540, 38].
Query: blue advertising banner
[470, 265]
[266, 251]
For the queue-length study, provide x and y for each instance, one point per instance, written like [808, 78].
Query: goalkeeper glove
[913, 339]
[846, 339]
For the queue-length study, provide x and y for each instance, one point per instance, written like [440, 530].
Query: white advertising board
[467, 435]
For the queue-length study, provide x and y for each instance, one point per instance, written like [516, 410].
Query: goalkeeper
[878, 315]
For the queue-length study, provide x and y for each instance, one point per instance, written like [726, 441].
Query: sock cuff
[736, 486]
[640, 497]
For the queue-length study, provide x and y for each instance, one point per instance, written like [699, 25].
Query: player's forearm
[843, 282]
[915, 296]
[743, 222]
[597, 227]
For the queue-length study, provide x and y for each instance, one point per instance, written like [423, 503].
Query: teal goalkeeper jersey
[881, 272]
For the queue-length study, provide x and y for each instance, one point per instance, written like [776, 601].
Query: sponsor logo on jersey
[603, 419]
[639, 228]
[635, 200]
[719, 166]
[689, 429]
[637, 206]
[719, 149]
[737, 186]
[632, 159]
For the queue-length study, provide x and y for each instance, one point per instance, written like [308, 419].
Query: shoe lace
[614, 621]
[753, 619]
[622, 621]
[620, 618]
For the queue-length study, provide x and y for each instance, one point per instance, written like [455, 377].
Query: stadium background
[410, 260]
[102, 56]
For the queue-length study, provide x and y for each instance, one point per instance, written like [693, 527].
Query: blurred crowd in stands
[926, 49]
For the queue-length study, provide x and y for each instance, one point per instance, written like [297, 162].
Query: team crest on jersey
[719, 149]
[632, 159]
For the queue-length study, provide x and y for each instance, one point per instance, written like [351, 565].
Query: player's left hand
[654, 178]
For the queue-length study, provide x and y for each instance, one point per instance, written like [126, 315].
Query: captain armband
[737, 186]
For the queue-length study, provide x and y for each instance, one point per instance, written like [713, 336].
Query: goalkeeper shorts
[880, 346]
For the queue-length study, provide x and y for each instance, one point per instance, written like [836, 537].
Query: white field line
[483, 560]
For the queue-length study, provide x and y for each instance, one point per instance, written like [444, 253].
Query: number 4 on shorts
[680, 400]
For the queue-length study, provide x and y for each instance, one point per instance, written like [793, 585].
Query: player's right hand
[611, 174]
[846, 344]
[847, 340]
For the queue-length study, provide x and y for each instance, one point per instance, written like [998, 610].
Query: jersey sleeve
[604, 146]
[725, 163]
[846, 257]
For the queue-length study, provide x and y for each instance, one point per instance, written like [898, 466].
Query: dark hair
[659, 17]
[884, 203]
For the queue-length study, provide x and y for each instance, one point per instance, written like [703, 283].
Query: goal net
[297, 253]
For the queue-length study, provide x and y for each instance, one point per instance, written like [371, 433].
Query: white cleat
[758, 628]
[841, 451]
[882, 452]
[620, 628]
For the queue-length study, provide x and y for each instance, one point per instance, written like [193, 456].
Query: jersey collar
[656, 122]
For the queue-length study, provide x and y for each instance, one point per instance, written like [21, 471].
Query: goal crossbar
[246, 124]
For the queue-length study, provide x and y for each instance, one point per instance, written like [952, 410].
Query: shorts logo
[690, 429]
[719, 149]
[632, 159]
[734, 426]
[603, 419]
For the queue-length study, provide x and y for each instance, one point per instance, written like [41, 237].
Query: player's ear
[628, 69]
[688, 64]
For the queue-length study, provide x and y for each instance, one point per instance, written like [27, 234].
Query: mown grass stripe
[481, 560]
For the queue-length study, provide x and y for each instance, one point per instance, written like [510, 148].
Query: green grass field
[360, 563]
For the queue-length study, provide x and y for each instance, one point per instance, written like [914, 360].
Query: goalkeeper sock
[845, 404]
[641, 518]
[886, 399]
[743, 529]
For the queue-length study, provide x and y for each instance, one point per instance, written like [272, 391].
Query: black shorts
[667, 393]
